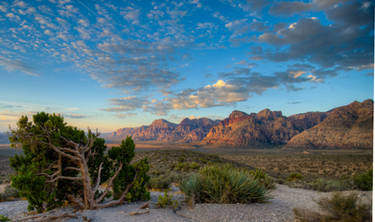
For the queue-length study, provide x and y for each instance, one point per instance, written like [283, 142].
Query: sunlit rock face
[348, 126]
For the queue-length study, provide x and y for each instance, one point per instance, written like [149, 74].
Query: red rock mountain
[259, 129]
[343, 127]
[348, 126]
[189, 130]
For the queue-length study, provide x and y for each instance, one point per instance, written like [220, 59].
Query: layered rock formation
[189, 130]
[259, 129]
[348, 126]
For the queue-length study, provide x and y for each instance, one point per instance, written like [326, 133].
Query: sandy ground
[278, 209]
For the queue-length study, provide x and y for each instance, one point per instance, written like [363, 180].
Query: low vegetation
[173, 166]
[338, 208]
[10, 193]
[364, 181]
[4, 218]
[166, 200]
[224, 184]
[294, 177]
[322, 170]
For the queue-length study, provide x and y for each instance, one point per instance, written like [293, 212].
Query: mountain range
[349, 126]
[4, 138]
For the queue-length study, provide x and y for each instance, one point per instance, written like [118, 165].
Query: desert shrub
[223, 184]
[363, 181]
[263, 178]
[161, 182]
[9, 193]
[194, 165]
[164, 200]
[4, 218]
[294, 176]
[339, 208]
[326, 185]
[58, 160]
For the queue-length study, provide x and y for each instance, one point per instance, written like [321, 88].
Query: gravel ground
[278, 209]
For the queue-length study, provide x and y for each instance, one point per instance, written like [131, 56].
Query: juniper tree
[61, 163]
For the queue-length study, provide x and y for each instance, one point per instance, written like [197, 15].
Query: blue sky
[111, 64]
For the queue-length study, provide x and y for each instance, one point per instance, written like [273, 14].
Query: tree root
[46, 218]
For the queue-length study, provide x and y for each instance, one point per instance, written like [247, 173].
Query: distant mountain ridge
[189, 130]
[347, 126]
[4, 138]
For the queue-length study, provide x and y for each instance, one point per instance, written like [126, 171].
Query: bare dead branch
[98, 178]
[57, 149]
[122, 197]
[47, 218]
[72, 168]
[139, 212]
[64, 178]
[110, 182]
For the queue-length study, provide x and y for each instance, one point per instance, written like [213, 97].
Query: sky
[110, 64]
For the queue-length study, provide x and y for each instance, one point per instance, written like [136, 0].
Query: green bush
[138, 191]
[363, 181]
[194, 165]
[340, 208]
[294, 176]
[223, 184]
[164, 201]
[4, 218]
[263, 178]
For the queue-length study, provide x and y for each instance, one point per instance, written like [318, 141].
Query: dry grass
[321, 168]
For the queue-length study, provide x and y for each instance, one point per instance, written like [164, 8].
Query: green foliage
[263, 178]
[194, 165]
[164, 201]
[39, 160]
[125, 153]
[38, 157]
[340, 208]
[363, 181]
[185, 166]
[4, 218]
[294, 176]
[223, 184]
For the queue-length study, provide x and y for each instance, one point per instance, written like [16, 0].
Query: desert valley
[186, 110]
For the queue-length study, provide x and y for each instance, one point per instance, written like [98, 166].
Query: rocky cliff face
[258, 129]
[348, 126]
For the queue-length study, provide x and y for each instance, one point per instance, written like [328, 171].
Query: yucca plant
[223, 184]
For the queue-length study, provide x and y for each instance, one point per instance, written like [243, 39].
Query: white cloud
[131, 14]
